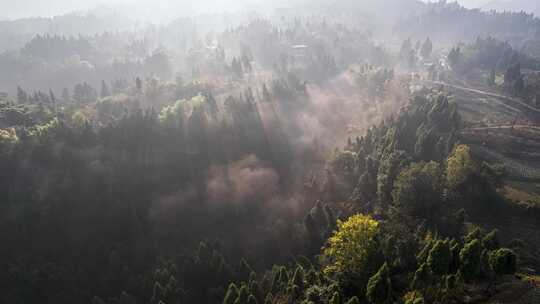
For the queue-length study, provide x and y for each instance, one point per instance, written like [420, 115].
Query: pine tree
[421, 277]
[236, 66]
[231, 295]
[439, 258]
[254, 287]
[454, 58]
[427, 49]
[138, 84]
[379, 287]
[491, 78]
[22, 96]
[353, 300]
[252, 300]
[104, 89]
[406, 49]
[336, 299]
[454, 264]
[491, 240]
[243, 295]
[268, 299]
[246, 63]
[298, 277]
[245, 270]
[470, 260]
[294, 291]
[450, 282]
[266, 94]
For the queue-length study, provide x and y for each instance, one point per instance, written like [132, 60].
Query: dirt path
[511, 103]
[490, 94]
[534, 127]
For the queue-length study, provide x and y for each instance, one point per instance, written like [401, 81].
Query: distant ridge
[529, 6]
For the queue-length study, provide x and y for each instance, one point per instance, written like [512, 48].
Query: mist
[250, 152]
[159, 11]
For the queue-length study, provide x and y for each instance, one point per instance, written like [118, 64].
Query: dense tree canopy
[307, 155]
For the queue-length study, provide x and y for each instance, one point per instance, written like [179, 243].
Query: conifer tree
[470, 260]
[440, 258]
[231, 295]
[379, 288]
[353, 300]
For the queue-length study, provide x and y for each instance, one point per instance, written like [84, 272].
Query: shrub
[503, 261]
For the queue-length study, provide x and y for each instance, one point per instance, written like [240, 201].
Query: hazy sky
[12, 9]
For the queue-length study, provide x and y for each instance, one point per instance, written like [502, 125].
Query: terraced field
[499, 129]
[518, 169]
[516, 147]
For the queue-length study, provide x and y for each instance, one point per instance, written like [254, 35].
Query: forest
[339, 152]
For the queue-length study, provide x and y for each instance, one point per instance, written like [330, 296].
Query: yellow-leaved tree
[8, 139]
[351, 253]
[8, 136]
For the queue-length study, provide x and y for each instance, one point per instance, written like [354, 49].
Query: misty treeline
[449, 22]
[60, 52]
[497, 65]
[59, 63]
[283, 159]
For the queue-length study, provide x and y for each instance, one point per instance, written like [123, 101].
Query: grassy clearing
[528, 192]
